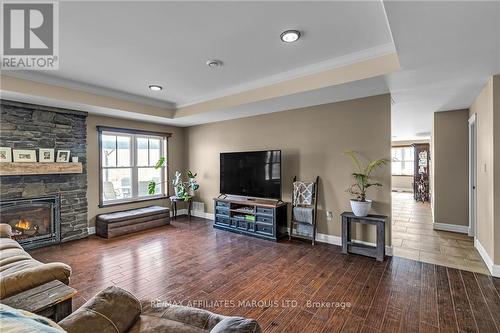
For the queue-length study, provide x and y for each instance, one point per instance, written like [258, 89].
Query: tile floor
[414, 238]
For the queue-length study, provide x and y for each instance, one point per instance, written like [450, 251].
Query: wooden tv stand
[258, 218]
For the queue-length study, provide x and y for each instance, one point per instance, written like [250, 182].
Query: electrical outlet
[329, 215]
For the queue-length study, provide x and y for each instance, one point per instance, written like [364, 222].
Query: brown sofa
[20, 272]
[115, 310]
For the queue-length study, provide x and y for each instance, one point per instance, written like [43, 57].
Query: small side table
[348, 246]
[52, 300]
[174, 200]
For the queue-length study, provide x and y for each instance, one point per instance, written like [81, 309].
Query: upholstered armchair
[20, 272]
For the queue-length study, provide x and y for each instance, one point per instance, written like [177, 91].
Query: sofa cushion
[5, 230]
[165, 317]
[20, 272]
[236, 325]
[7, 243]
[163, 325]
[201, 319]
[132, 214]
[111, 310]
[19, 321]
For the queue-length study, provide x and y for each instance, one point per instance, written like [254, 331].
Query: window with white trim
[128, 162]
[402, 161]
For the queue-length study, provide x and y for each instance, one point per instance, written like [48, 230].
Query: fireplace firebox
[35, 222]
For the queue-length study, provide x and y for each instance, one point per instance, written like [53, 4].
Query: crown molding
[333, 63]
[29, 91]
[338, 62]
[88, 88]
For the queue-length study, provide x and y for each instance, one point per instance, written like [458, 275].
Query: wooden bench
[130, 221]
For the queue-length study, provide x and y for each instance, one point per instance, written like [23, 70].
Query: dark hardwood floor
[286, 286]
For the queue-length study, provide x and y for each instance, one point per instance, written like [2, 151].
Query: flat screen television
[252, 174]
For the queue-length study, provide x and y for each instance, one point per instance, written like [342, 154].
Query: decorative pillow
[303, 193]
[20, 321]
[236, 325]
[112, 310]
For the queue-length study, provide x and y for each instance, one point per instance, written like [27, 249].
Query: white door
[472, 175]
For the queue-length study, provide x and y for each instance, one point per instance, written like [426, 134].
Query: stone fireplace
[56, 202]
[35, 222]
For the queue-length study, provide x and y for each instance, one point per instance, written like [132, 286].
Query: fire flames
[24, 224]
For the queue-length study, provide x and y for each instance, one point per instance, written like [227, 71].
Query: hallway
[414, 238]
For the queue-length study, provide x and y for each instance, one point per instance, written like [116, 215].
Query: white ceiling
[127, 45]
[447, 51]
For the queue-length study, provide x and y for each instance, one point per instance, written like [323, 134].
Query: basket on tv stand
[266, 219]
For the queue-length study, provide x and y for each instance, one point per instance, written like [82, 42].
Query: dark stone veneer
[27, 126]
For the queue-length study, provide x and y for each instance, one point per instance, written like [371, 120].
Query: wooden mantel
[32, 168]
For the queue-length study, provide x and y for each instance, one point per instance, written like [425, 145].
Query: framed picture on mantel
[5, 154]
[63, 156]
[45, 155]
[22, 156]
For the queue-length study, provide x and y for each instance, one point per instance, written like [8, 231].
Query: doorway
[414, 232]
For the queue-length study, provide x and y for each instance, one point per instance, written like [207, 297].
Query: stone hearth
[27, 126]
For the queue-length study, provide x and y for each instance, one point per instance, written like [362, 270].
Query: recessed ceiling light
[214, 63]
[155, 87]
[290, 36]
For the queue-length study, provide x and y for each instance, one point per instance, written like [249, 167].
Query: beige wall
[176, 156]
[483, 108]
[451, 167]
[312, 141]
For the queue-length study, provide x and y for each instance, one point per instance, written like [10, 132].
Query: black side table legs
[174, 200]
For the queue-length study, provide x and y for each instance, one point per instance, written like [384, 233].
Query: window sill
[131, 201]
[403, 176]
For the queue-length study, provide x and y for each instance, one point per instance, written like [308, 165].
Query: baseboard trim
[321, 238]
[196, 213]
[494, 269]
[204, 215]
[329, 239]
[336, 240]
[463, 229]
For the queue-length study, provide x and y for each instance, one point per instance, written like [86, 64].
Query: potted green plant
[178, 184]
[362, 182]
[183, 190]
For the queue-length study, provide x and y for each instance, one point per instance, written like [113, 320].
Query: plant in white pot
[363, 181]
